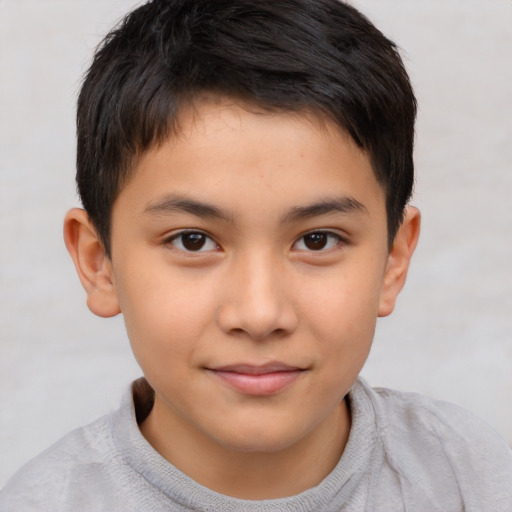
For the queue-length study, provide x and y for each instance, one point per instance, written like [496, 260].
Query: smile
[257, 380]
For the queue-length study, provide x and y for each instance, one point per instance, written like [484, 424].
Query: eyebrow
[175, 204]
[343, 205]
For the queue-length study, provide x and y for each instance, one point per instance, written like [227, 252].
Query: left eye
[193, 241]
[317, 241]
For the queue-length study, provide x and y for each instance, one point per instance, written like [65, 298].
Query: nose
[257, 300]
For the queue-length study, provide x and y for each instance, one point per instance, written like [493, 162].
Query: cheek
[346, 299]
[165, 315]
[342, 314]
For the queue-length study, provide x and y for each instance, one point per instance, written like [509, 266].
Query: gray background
[451, 335]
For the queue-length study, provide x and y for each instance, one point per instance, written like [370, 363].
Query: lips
[257, 380]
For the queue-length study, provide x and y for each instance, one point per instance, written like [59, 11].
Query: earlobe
[92, 264]
[399, 259]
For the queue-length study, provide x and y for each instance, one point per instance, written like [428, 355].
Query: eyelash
[177, 241]
[178, 237]
[333, 237]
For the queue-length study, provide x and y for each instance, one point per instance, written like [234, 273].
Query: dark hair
[289, 55]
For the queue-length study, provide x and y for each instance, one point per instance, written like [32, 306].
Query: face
[249, 255]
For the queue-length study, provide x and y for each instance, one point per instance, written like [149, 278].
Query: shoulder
[44, 483]
[448, 423]
[442, 445]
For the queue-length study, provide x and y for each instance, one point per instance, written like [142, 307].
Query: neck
[250, 475]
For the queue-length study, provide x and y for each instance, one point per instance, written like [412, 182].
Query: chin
[259, 440]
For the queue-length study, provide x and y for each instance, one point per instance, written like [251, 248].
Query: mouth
[257, 380]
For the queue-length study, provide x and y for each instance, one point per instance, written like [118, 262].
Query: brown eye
[193, 241]
[317, 241]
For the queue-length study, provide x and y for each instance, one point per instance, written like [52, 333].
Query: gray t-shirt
[405, 452]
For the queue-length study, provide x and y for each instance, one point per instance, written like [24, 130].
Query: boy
[245, 169]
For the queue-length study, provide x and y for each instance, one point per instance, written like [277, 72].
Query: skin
[290, 268]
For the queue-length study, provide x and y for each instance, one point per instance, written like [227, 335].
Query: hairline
[192, 102]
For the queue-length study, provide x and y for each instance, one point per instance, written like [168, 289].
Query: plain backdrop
[451, 334]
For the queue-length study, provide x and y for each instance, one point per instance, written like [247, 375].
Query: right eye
[192, 241]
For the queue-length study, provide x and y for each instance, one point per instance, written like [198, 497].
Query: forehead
[229, 150]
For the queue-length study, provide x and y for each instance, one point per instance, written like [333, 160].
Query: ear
[399, 259]
[91, 262]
